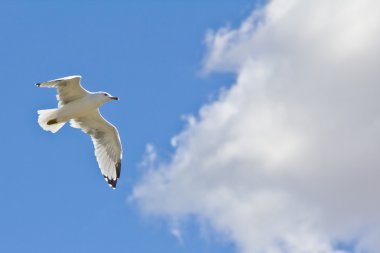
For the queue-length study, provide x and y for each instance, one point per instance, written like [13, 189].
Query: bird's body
[81, 108]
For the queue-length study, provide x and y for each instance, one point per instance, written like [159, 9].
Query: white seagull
[81, 107]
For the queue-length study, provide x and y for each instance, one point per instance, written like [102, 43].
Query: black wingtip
[38, 84]
[111, 182]
[118, 168]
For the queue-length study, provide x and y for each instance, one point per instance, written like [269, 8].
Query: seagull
[81, 108]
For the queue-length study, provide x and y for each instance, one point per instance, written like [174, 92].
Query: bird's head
[106, 96]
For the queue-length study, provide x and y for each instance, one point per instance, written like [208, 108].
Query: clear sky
[149, 53]
[247, 126]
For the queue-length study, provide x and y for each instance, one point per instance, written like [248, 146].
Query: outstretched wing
[69, 88]
[107, 144]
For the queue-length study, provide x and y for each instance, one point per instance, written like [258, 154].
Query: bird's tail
[48, 120]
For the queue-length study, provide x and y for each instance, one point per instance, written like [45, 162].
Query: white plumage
[81, 108]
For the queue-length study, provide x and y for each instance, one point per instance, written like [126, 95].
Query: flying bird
[81, 108]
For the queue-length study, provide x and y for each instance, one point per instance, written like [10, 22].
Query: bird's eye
[105, 94]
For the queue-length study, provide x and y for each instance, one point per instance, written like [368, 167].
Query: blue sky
[148, 53]
[279, 153]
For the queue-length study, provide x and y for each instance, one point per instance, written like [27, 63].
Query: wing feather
[68, 89]
[106, 140]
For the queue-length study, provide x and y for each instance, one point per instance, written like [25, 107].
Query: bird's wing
[106, 141]
[69, 89]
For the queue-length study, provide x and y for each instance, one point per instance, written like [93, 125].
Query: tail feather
[48, 120]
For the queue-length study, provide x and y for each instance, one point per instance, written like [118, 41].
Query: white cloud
[287, 159]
